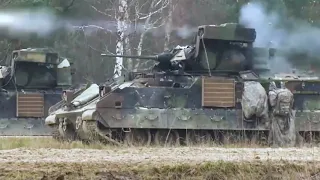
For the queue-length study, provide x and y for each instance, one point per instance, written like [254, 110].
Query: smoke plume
[43, 22]
[273, 30]
[253, 15]
[40, 21]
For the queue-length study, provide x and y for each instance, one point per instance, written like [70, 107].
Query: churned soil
[161, 163]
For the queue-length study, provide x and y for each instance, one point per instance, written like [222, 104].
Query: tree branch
[93, 26]
[154, 12]
[104, 13]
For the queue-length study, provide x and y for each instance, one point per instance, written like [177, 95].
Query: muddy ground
[160, 163]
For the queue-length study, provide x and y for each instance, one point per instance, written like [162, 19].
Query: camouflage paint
[180, 108]
[228, 32]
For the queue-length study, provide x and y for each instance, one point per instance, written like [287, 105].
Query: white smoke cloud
[43, 22]
[253, 15]
[186, 31]
[295, 37]
[300, 36]
[40, 21]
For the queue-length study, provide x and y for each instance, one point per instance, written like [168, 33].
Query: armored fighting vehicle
[203, 93]
[31, 83]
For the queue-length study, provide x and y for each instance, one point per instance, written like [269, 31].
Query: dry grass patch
[48, 142]
[146, 163]
[45, 142]
[211, 170]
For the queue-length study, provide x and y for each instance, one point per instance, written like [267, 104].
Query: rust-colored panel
[217, 92]
[30, 105]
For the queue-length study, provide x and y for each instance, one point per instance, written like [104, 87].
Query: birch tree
[121, 27]
[152, 20]
[147, 13]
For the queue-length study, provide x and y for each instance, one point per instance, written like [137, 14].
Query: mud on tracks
[160, 163]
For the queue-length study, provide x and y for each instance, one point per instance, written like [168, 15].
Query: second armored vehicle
[204, 93]
[30, 85]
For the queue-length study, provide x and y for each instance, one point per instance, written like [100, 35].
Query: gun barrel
[135, 57]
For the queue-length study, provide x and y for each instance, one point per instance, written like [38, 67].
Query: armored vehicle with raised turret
[31, 83]
[207, 92]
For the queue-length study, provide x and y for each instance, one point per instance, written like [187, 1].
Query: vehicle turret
[168, 60]
[226, 47]
[36, 68]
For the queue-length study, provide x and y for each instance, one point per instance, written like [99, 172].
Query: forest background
[81, 30]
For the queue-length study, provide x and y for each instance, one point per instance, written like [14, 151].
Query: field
[44, 158]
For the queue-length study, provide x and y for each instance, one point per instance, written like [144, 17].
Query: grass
[48, 142]
[206, 170]
[211, 170]
[45, 142]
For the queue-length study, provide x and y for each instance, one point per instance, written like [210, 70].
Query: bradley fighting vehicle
[194, 94]
[31, 84]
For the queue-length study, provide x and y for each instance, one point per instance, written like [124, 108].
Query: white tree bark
[127, 39]
[149, 24]
[121, 26]
[149, 19]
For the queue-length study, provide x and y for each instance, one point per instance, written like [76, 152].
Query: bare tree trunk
[120, 37]
[168, 26]
[127, 39]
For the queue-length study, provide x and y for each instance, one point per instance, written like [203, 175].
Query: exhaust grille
[30, 105]
[218, 92]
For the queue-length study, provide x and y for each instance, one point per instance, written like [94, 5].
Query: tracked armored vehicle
[30, 85]
[203, 93]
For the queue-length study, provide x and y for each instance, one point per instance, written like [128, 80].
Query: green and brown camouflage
[194, 102]
[39, 68]
[37, 55]
[186, 105]
[232, 32]
[152, 108]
